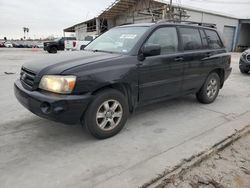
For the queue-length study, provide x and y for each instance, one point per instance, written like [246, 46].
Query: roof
[196, 9]
[72, 28]
[119, 6]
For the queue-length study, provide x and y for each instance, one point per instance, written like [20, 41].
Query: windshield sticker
[128, 36]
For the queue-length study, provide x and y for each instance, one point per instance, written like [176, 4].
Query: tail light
[74, 43]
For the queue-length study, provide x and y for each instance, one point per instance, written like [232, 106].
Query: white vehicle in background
[79, 44]
[8, 45]
[82, 44]
[70, 43]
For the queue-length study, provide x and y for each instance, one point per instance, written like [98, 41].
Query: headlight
[58, 84]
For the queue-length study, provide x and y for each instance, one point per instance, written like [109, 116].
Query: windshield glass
[118, 40]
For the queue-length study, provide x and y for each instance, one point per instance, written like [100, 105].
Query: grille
[27, 77]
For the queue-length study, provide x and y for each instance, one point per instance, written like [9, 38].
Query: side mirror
[151, 50]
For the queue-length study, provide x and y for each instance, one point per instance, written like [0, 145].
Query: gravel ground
[229, 168]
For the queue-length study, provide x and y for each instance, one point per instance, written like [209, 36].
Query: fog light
[45, 107]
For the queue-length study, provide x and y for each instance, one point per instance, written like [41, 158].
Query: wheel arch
[221, 73]
[124, 88]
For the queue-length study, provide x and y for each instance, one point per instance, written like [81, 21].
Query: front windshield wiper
[102, 51]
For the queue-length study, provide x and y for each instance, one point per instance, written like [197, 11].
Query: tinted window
[214, 41]
[191, 38]
[88, 38]
[204, 39]
[165, 37]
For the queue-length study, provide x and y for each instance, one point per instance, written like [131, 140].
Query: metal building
[235, 31]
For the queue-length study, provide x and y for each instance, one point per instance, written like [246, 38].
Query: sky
[50, 17]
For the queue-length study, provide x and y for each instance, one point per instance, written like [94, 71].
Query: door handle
[179, 59]
[208, 54]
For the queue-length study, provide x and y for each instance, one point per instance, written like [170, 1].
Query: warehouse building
[236, 32]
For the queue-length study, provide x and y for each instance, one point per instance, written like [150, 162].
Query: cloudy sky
[50, 17]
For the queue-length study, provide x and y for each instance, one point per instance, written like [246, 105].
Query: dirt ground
[229, 168]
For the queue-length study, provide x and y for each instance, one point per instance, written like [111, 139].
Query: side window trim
[164, 26]
[205, 47]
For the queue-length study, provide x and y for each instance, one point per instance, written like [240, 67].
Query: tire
[110, 121]
[53, 50]
[244, 71]
[210, 89]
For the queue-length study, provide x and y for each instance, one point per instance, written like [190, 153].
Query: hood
[247, 51]
[58, 63]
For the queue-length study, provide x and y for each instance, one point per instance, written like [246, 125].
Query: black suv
[57, 44]
[126, 67]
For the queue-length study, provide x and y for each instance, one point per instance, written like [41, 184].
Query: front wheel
[53, 50]
[107, 114]
[210, 90]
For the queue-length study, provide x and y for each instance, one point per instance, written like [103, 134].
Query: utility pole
[170, 9]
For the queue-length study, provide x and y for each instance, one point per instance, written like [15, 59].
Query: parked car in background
[2, 44]
[17, 45]
[40, 45]
[8, 44]
[245, 62]
[126, 67]
[82, 44]
[57, 44]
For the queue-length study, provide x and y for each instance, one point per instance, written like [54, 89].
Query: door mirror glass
[151, 50]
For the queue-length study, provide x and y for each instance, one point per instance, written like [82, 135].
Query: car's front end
[49, 89]
[50, 96]
[244, 64]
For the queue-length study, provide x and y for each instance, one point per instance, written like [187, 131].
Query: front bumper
[244, 64]
[61, 108]
[227, 73]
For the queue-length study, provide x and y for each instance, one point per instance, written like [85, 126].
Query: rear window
[214, 41]
[88, 38]
[191, 39]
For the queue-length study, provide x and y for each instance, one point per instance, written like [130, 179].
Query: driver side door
[161, 76]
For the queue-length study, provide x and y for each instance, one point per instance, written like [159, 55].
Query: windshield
[118, 40]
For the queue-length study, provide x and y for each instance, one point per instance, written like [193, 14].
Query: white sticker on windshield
[128, 36]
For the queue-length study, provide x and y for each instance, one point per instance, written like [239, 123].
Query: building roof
[187, 7]
[72, 28]
[119, 6]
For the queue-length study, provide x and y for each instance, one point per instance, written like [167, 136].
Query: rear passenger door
[199, 47]
[193, 54]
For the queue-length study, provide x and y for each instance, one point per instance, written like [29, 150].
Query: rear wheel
[107, 114]
[210, 90]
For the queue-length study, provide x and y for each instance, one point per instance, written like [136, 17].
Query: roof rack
[190, 23]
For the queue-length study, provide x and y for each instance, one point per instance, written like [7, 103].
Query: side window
[167, 38]
[204, 39]
[191, 38]
[214, 41]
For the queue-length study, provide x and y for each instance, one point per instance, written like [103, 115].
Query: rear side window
[191, 39]
[167, 38]
[204, 39]
[214, 41]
